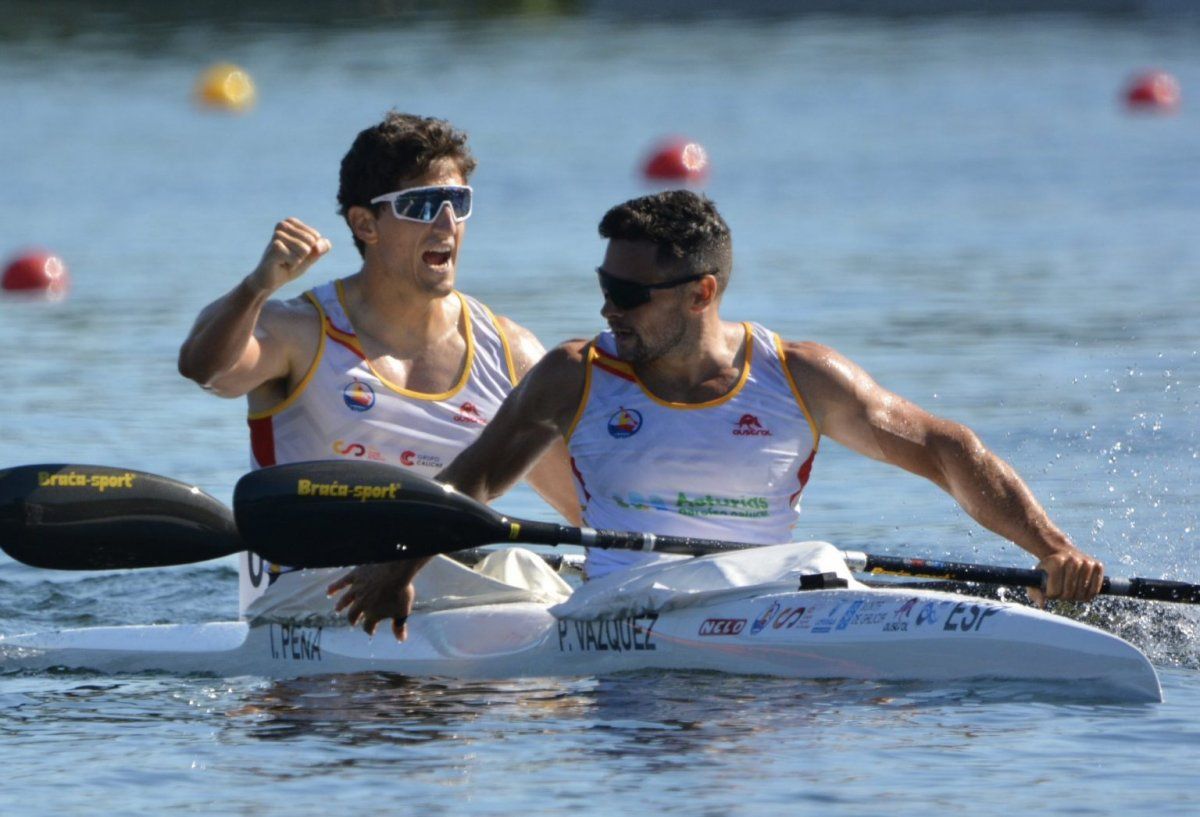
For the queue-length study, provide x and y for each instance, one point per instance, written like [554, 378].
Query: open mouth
[436, 258]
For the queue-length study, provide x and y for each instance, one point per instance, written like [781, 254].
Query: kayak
[876, 633]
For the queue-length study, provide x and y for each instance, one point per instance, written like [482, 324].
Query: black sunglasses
[627, 294]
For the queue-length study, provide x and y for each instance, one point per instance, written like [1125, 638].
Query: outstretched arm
[530, 422]
[850, 407]
[550, 475]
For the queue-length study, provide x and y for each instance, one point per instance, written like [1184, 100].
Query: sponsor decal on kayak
[722, 626]
[624, 423]
[747, 507]
[793, 618]
[608, 635]
[335, 489]
[969, 619]
[763, 620]
[74, 479]
[358, 396]
[294, 642]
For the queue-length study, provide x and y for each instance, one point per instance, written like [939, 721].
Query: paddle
[91, 517]
[335, 513]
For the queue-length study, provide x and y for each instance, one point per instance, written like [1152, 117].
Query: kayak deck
[873, 634]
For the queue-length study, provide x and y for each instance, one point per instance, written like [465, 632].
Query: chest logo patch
[624, 423]
[750, 426]
[359, 396]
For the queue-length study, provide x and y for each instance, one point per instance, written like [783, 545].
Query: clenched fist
[293, 249]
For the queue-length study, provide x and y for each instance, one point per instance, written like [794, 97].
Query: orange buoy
[677, 159]
[1153, 91]
[35, 273]
[226, 86]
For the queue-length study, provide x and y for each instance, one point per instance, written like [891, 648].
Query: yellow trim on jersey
[308, 376]
[590, 356]
[468, 362]
[812, 425]
[508, 358]
[716, 401]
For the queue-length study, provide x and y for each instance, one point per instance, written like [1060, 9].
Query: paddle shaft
[1139, 588]
[546, 533]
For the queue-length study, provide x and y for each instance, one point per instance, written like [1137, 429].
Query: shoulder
[292, 317]
[523, 345]
[828, 380]
[561, 370]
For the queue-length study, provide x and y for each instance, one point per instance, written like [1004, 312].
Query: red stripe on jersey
[582, 485]
[614, 371]
[341, 339]
[262, 441]
[803, 474]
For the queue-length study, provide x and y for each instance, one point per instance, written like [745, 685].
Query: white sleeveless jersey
[730, 468]
[344, 408]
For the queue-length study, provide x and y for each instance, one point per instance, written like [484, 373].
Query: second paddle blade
[335, 513]
[92, 517]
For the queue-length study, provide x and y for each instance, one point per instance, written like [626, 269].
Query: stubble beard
[646, 350]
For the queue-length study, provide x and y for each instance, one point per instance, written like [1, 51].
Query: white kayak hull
[874, 634]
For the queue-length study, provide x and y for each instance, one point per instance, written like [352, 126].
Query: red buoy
[1153, 91]
[37, 272]
[677, 159]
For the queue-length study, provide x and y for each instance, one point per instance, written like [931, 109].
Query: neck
[402, 319]
[703, 366]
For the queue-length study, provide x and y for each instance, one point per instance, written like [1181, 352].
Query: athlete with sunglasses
[679, 422]
[391, 363]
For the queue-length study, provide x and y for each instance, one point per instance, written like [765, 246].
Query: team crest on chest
[359, 396]
[624, 423]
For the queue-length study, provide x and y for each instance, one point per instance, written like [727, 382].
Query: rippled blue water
[958, 203]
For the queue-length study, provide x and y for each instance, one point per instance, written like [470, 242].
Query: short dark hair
[684, 226]
[402, 146]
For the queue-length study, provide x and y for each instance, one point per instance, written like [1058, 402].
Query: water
[958, 203]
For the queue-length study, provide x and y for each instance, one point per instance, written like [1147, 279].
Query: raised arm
[850, 407]
[242, 340]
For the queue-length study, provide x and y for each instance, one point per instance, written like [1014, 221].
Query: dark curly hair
[402, 146]
[685, 227]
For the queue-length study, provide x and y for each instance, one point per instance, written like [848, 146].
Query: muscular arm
[531, 421]
[550, 475]
[850, 407]
[242, 340]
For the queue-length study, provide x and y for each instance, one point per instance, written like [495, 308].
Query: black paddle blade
[334, 513]
[92, 517]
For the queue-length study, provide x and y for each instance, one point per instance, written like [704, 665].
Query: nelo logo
[467, 413]
[722, 626]
[749, 426]
[624, 423]
[359, 396]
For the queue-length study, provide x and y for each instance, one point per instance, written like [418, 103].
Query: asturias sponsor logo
[624, 423]
[359, 396]
[750, 426]
[752, 507]
[468, 413]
